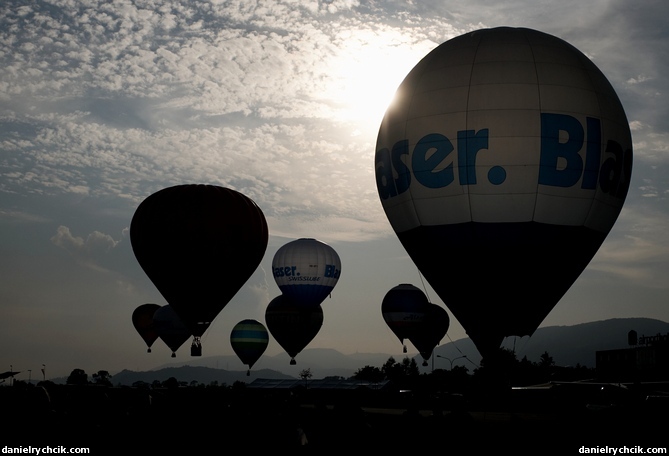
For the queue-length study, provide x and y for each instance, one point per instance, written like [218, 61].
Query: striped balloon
[249, 340]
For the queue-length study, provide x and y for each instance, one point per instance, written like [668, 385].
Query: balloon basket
[196, 350]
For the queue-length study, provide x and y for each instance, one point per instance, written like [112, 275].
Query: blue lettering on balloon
[593, 153]
[424, 164]
[496, 175]
[385, 163]
[285, 271]
[616, 171]
[469, 143]
[331, 271]
[561, 159]
[403, 174]
[552, 149]
[384, 174]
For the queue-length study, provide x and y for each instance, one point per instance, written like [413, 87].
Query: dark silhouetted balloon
[249, 340]
[142, 320]
[433, 329]
[404, 308]
[502, 165]
[293, 326]
[170, 328]
[198, 244]
[306, 270]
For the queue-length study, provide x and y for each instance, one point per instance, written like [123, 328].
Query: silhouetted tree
[238, 385]
[102, 378]
[407, 368]
[392, 370]
[410, 367]
[546, 361]
[497, 370]
[369, 374]
[306, 375]
[171, 383]
[77, 377]
[458, 378]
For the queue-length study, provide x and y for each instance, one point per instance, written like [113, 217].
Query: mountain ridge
[568, 345]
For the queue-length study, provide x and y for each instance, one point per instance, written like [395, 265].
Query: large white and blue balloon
[306, 270]
[502, 165]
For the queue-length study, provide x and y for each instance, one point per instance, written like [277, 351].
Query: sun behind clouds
[366, 72]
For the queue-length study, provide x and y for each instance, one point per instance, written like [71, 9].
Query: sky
[104, 103]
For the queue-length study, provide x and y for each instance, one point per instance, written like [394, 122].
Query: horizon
[309, 353]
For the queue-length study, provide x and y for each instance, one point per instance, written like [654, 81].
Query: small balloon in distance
[142, 320]
[170, 328]
[249, 340]
[292, 326]
[404, 309]
[306, 270]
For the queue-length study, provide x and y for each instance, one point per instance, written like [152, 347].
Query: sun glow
[366, 74]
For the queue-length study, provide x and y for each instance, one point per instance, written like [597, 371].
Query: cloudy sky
[103, 103]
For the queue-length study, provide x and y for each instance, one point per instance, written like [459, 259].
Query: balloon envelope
[249, 340]
[198, 244]
[502, 165]
[293, 326]
[142, 320]
[170, 328]
[433, 329]
[404, 309]
[306, 270]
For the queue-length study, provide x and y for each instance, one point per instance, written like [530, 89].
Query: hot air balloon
[433, 328]
[142, 320]
[170, 328]
[404, 308]
[306, 271]
[198, 244]
[502, 165]
[293, 326]
[249, 340]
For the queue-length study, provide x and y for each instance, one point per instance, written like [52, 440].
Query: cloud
[119, 101]
[86, 251]
[276, 99]
[640, 255]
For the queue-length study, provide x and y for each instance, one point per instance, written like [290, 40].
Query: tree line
[405, 374]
